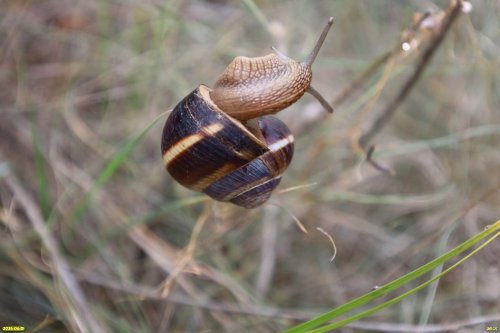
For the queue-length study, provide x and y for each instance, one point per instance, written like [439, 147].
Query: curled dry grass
[98, 238]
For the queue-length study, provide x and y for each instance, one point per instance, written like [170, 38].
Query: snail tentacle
[321, 99]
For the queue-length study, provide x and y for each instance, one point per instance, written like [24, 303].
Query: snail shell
[208, 151]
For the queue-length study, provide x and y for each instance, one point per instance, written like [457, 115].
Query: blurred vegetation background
[96, 234]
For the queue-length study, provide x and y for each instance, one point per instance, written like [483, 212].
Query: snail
[223, 142]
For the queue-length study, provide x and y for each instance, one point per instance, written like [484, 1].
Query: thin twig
[360, 79]
[294, 188]
[189, 251]
[294, 218]
[382, 168]
[389, 112]
[331, 241]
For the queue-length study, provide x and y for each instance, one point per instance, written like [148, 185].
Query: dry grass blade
[82, 318]
[330, 238]
[189, 251]
[455, 326]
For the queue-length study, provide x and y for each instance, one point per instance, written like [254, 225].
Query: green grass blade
[379, 307]
[450, 141]
[434, 198]
[360, 301]
[41, 175]
[110, 169]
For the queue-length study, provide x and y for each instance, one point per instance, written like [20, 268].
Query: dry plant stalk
[435, 27]
[189, 251]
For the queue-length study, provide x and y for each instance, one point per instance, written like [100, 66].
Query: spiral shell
[208, 151]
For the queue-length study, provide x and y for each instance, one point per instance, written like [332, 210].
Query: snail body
[223, 141]
[251, 87]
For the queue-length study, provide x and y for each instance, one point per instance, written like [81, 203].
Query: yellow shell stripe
[281, 143]
[177, 149]
[204, 182]
[223, 170]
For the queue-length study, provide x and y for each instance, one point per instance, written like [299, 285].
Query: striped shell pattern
[208, 151]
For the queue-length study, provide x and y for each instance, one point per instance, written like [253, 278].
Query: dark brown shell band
[208, 151]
